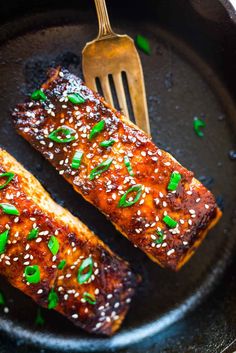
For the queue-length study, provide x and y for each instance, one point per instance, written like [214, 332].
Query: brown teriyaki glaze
[98, 304]
[191, 205]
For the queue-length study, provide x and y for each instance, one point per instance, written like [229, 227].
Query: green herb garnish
[53, 245]
[39, 320]
[76, 160]
[101, 168]
[134, 189]
[85, 270]
[160, 238]
[52, 299]
[9, 209]
[32, 274]
[2, 299]
[38, 94]
[170, 222]
[9, 176]
[198, 124]
[76, 98]
[107, 143]
[174, 181]
[96, 129]
[128, 165]
[66, 131]
[143, 44]
[61, 265]
[89, 298]
[3, 240]
[33, 233]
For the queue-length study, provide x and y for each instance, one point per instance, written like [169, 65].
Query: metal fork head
[111, 57]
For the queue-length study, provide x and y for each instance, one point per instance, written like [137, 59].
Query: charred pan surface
[191, 205]
[95, 298]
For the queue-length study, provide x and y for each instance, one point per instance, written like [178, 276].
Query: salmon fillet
[55, 259]
[150, 198]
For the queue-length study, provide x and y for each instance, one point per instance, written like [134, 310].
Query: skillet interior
[179, 86]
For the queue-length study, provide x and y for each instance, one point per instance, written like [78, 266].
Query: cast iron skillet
[190, 73]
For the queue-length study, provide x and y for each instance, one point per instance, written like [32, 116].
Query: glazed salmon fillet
[150, 198]
[55, 259]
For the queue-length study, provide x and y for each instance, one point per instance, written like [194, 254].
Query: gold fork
[109, 57]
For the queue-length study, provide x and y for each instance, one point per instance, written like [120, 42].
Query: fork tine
[106, 89]
[91, 83]
[121, 94]
[138, 99]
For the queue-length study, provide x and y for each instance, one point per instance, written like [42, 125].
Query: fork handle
[105, 30]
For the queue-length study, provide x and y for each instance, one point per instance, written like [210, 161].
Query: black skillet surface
[180, 85]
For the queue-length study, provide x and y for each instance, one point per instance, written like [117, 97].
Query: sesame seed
[75, 316]
[170, 252]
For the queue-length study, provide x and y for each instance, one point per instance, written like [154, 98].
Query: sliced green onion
[128, 165]
[52, 299]
[174, 181]
[107, 143]
[9, 176]
[67, 131]
[87, 267]
[33, 233]
[170, 222]
[9, 209]
[38, 94]
[97, 128]
[76, 98]
[61, 265]
[3, 240]
[76, 160]
[39, 320]
[89, 298]
[198, 124]
[2, 299]
[126, 203]
[32, 274]
[101, 168]
[53, 245]
[143, 44]
[160, 238]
